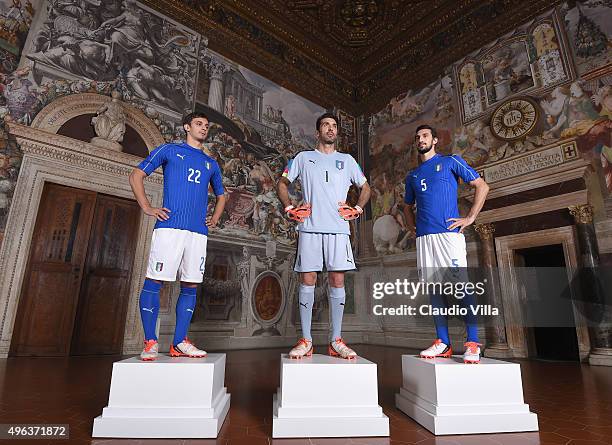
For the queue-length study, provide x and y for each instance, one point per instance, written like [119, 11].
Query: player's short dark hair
[327, 115]
[191, 116]
[427, 127]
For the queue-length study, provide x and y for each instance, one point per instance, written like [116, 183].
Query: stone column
[496, 327]
[216, 69]
[598, 314]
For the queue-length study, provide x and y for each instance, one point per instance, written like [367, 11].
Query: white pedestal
[322, 396]
[447, 396]
[167, 398]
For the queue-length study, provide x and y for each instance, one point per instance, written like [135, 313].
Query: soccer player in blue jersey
[439, 229]
[181, 231]
[324, 233]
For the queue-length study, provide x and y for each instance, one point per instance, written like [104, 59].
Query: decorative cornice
[583, 214]
[75, 153]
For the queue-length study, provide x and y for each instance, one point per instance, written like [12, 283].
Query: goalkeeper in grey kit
[324, 232]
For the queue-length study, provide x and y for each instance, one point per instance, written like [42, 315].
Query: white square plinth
[322, 396]
[167, 398]
[447, 396]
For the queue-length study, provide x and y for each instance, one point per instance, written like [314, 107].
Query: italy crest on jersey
[340, 165]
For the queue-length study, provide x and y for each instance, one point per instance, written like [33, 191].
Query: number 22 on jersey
[194, 176]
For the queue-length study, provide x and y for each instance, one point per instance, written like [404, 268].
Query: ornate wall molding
[60, 111]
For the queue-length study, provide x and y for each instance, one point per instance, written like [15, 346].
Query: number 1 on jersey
[197, 174]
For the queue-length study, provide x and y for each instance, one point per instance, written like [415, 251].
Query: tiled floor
[573, 401]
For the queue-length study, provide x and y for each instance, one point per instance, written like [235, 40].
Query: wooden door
[100, 320]
[49, 295]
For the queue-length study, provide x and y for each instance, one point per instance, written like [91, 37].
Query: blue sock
[471, 321]
[306, 297]
[184, 311]
[441, 322]
[149, 307]
[337, 297]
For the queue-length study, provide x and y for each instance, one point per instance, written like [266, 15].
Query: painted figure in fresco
[324, 232]
[103, 40]
[432, 186]
[181, 231]
[544, 39]
[468, 78]
[150, 82]
[20, 99]
[570, 113]
[128, 33]
[553, 107]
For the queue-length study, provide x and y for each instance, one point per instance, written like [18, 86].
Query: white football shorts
[174, 250]
[439, 251]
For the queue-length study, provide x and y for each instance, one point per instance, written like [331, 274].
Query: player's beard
[424, 149]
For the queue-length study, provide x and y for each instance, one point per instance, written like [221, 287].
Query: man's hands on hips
[211, 222]
[347, 212]
[299, 213]
[460, 222]
[160, 213]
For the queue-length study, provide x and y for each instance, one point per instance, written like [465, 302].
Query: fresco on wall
[257, 126]
[583, 110]
[15, 20]
[392, 155]
[347, 134]
[531, 60]
[153, 59]
[571, 109]
[507, 71]
[589, 28]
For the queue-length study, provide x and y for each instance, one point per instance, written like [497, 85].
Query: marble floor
[573, 401]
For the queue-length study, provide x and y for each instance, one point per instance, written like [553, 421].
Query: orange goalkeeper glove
[347, 212]
[299, 213]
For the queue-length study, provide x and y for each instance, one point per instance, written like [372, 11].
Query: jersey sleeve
[409, 193]
[216, 181]
[461, 169]
[294, 168]
[357, 176]
[156, 158]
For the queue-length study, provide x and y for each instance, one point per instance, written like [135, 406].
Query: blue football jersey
[433, 185]
[187, 174]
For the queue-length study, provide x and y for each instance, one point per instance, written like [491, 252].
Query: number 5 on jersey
[423, 185]
[194, 176]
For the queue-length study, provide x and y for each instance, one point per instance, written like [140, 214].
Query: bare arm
[364, 195]
[213, 220]
[137, 183]
[282, 189]
[482, 189]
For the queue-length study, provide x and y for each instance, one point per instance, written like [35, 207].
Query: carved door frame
[48, 157]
